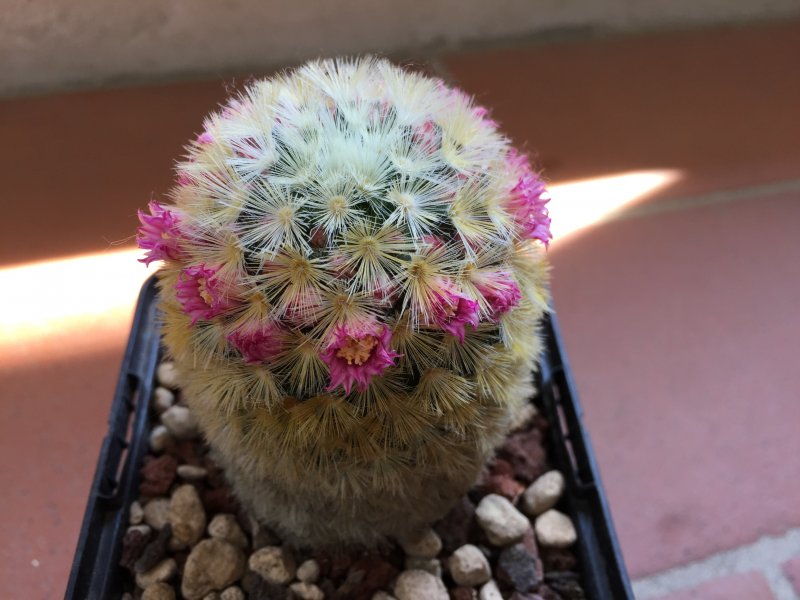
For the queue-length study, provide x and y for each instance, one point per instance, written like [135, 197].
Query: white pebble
[490, 591]
[381, 595]
[159, 438]
[543, 494]
[161, 573]
[191, 472]
[212, 596]
[419, 585]
[136, 513]
[307, 591]
[555, 529]
[232, 593]
[431, 565]
[167, 375]
[145, 530]
[226, 527]
[503, 523]
[308, 571]
[469, 566]
[156, 513]
[162, 399]
[181, 422]
[274, 564]
[424, 544]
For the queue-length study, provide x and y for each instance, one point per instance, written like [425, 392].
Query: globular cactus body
[353, 277]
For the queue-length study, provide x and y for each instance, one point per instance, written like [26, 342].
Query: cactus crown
[351, 230]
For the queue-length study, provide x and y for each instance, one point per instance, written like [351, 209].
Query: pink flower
[184, 179]
[358, 352]
[483, 114]
[500, 292]
[258, 343]
[527, 201]
[201, 294]
[159, 234]
[454, 312]
[205, 138]
[428, 136]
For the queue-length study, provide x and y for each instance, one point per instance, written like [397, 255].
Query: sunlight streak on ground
[579, 204]
[68, 300]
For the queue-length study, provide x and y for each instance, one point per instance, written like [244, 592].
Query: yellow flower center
[357, 350]
[202, 289]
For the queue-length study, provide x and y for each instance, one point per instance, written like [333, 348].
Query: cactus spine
[353, 276]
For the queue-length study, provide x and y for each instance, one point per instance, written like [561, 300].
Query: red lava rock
[219, 500]
[133, 544]
[559, 560]
[157, 476]
[187, 452]
[501, 467]
[455, 526]
[154, 551]
[505, 486]
[366, 576]
[516, 569]
[463, 593]
[526, 454]
[566, 584]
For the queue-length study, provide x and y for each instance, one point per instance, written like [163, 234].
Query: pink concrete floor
[679, 313]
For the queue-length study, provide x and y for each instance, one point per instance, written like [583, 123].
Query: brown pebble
[159, 591]
[157, 476]
[133, 544]
[154, 551]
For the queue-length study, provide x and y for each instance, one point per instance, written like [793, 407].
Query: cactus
[353, 275]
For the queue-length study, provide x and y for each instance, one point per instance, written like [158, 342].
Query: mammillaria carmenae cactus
[353, 277]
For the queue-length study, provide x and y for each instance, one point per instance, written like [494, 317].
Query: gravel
[189, 539]
[180, 422]
[308, 571]
[543, 494]
[469, 566]
[419, 585]
[212, 565]
[501, 521]
[555, 530]
[186, 515]
[274, 564]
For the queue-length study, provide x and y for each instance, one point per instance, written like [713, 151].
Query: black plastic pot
[95, 572]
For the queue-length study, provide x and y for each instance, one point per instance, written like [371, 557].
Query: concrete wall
[52, 44]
